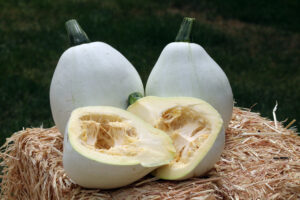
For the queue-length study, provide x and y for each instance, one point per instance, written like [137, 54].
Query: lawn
[256, 43]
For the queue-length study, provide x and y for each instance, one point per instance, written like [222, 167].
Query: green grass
[277, 13]
[257, 45]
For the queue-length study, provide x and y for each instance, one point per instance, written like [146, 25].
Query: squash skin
[185, 69]
[91, 74]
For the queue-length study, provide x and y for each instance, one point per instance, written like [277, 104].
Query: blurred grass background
[255, 42]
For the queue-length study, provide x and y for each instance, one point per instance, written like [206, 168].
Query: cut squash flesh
[109, 134]
[113, 143]
[187, 129]
[195, 127]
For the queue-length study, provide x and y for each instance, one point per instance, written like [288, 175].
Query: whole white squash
[185, 69]
[107, 147]
[90, 73]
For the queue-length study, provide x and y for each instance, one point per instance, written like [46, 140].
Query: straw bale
[261, 160]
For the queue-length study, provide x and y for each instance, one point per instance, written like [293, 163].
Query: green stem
[133, 97]
[76, 35]
[185, 30]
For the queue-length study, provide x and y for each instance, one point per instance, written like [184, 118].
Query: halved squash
[195, 127]
[107, 147]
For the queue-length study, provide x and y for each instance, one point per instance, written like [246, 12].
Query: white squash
[195, 127]
[107, 147]
[185, 69]
[90, 74]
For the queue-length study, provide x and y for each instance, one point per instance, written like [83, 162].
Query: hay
[260, 161]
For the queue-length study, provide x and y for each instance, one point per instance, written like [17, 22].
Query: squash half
[107, 147]
[195, 127]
